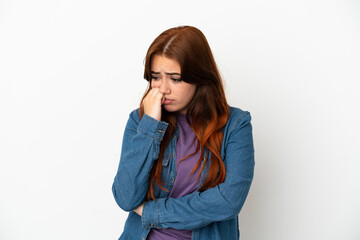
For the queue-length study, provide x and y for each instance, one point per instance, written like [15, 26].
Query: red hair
[208, 109]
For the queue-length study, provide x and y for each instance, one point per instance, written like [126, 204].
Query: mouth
[167, 101]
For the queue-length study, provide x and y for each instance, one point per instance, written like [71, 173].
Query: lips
[167, 101]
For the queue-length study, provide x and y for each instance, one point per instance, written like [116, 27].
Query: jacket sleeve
[140, 148]
[219, 203]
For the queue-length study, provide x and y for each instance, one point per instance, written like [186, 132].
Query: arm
[219, 203]
[140, 148]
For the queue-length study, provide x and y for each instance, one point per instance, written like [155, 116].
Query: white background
[71, 72]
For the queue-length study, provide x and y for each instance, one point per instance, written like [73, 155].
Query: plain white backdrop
[71, 72]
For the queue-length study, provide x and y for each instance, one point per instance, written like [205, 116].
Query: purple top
[185, 183]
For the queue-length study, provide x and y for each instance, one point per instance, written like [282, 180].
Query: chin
[170, 108]
[174, 110]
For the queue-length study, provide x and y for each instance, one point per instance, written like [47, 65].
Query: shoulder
[238, 116]
[238, 128]
[135, 115]
[134, 118]
[238, 119]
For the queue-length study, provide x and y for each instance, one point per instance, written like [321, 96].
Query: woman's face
[165, 75]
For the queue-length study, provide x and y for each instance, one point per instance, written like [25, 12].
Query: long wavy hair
[208, 110]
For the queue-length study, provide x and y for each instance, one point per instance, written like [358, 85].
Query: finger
[157, 94]
[154, 92]
[151, 94]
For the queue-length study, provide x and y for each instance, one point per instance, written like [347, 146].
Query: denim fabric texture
[211, 214]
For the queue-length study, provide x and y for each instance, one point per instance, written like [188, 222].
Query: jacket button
[172, 180]
[160, 131]
[151, 224]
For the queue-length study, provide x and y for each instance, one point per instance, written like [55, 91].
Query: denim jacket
[211, 214]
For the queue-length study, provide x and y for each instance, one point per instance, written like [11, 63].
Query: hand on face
[152, 103]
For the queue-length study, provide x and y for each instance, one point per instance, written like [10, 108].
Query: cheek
[188, 94]
[152, 84]
[191, 92]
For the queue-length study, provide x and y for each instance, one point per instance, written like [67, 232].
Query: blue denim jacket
[211, 214]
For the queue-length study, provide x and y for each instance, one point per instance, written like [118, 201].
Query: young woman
[187, 157]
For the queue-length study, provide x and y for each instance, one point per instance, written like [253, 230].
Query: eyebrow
[171, 74]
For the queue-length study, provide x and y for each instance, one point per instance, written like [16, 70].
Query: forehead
[159, 63]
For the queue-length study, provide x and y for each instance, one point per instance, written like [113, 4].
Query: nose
[164, 87]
